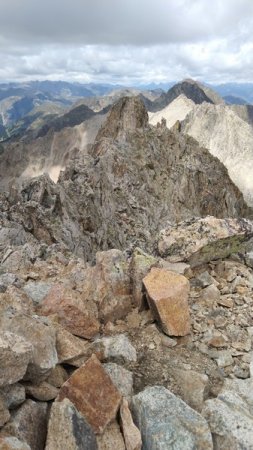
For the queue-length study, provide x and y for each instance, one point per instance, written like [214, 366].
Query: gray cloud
[126, 41]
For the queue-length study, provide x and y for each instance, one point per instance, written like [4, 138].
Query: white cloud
[126, 41]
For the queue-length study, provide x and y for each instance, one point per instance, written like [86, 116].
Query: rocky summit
[126, 295]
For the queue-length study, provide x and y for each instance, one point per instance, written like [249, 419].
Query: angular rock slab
[93, 394]
[15, 354]
[67, 429]
[167, 423]
[230, 417]
[167, 294]
[131, 433]
[199, 241]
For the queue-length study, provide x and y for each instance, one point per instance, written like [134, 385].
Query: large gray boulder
[167, 423]
[230, 416]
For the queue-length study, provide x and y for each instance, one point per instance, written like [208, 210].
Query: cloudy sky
[126, 41]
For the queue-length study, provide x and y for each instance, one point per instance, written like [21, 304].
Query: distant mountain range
[27, 107]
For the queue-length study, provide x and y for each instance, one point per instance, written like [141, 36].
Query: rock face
[166, 422]
[85, 389]
[167, 294]
[202, 240]
[107, 198]
[228, 137]
[68, 429]
[176, 110]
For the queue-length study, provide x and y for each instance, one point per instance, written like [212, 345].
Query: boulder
[13, 395]
[121, 378]
[4, 413]
[199, 241]
[68, 346]
[116, 348]
[167, 294]
[37, 290]
[43, 392]
[166, 422]
[29, 424]
[230, 416]
[111, 285]
[41, 337]
[71, 311]
[93, 393]
[193, 387]
[15, 355]
[67, 429]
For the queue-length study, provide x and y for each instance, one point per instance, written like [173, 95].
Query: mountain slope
[176, 110]
[228, 137]
[190, 88]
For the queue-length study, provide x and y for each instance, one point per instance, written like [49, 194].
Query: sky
[129, 42]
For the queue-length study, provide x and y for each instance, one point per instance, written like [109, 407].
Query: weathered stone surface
[71, 312]
[29, 424]
[43, 391]
[112, 285]
[201, 240]
[57, 376]
[68, 346]
[122, 378]
[15, 299]
[41, 335]
[116, 348]
[193, 387]
[93, 393]
[67, 429]
[167, 294]
[249, 259]
[111, 438]
[131, 433]
[14, 395]
[140, 265]
[4, 413]
[166, 422]
[230, 417]
[37, 290]
[211, 294]
[12, 443]
[15, 354]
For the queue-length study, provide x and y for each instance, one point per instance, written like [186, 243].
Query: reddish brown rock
[71, 311]
[167, 294]
[94, 395]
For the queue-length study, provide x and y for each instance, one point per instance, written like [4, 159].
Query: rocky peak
[128, 114]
